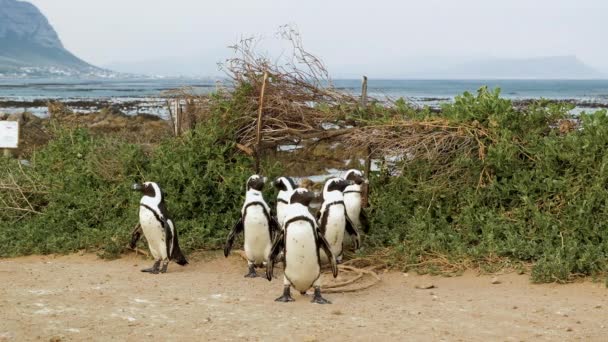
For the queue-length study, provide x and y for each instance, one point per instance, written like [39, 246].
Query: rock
[568, 329]
[425, 286]
[495, 280]
[337, 312]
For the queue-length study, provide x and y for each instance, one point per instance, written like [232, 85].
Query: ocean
[144, 95]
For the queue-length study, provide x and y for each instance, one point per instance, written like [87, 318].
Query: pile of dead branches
[293, 90]
[430, 139]
[20, 194]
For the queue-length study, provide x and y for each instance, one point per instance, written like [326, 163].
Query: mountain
[554, 67]
[29, 46]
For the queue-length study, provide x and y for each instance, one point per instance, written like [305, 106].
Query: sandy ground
[84, 298]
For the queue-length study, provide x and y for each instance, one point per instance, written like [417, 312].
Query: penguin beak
[137, 187]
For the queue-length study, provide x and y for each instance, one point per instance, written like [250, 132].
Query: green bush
[545, 202]
[536, 193]
[87, 202]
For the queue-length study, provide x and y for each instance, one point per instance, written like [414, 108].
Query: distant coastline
[139, 96]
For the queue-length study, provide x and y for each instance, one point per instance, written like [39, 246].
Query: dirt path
[85, 298]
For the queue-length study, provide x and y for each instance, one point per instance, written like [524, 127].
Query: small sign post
[9, 136]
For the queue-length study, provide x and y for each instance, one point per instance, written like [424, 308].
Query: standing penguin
[352, 199]
[333, 220]
[258, 226]
[285, 185]
[158, 228]
[300, 240]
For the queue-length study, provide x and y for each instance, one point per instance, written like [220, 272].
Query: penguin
[258, 225]
[285, 185]
[352, 199]
[300, 241]
[333, 220]
[158, 228]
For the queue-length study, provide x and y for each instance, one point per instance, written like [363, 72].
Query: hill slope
[31, 47]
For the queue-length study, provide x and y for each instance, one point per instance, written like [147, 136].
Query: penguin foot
[153, 269]
[318, 299]
[286, 297]
[164, 267]
[252, 273]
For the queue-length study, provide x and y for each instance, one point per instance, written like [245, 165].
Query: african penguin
[285, 185]
[333, 220]
[300, 241]
[258, 226]
[352, 199]
[158, 228]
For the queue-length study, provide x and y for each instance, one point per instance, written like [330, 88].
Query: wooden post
[368, 159]
[364, 92]
[259, 127]
[178, 118]
[368, 168]
[171, 116]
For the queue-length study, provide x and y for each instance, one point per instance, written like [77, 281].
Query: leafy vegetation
[75, 194]
[536, 194]
[531, 188]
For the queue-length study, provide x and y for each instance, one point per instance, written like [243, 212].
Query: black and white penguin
[286, 186]
[333, 220]
[158, 228]
[352, 199]
[300, 241]
[258, 225]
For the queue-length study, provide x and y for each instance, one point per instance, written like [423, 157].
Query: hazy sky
[379, 37]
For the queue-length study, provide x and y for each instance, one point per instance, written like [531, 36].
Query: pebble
[495, 280]
[425, 286]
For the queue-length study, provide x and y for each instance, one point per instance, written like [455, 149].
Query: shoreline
[156, 105]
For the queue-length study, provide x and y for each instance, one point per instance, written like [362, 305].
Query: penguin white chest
[257, 235]
[281, 211]
[154, 233]
[334, 229]
[301, 260]
[352, 201]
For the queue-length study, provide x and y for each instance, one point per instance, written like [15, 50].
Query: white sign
[9, 134]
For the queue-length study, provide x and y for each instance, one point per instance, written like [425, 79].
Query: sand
[81, 297]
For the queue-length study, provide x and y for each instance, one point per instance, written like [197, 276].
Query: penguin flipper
[321, 221]
[176, 252]
[274, 227]
[169, 236]
[364, 221]
[277, 246]
[324, 245]
[135, 236]
[352, 231]
[238, 227]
